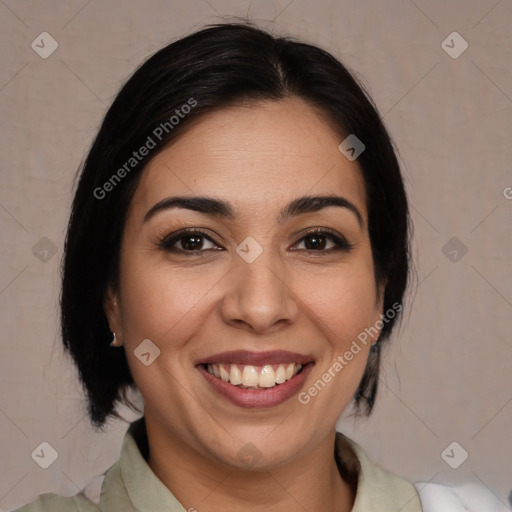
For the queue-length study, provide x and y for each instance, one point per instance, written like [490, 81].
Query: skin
[257, 157]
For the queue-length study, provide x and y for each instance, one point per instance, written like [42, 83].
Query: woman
[237, 251]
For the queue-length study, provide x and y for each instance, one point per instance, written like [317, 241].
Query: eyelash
[166, 243]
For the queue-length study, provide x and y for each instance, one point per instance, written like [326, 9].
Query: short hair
[218, 66]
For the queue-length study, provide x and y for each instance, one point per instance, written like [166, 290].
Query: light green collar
[131, 485]
[377, 489]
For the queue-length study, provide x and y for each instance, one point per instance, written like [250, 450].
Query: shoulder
[377, 488]
[469, 497]
[51, 502]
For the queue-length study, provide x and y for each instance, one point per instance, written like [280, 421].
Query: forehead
[257, 156]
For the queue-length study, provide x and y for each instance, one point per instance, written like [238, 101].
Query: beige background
[448, 376]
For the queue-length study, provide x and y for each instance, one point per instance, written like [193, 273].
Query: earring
[114, 343]
[374, 346]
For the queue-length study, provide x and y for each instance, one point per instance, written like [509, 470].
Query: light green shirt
[131, 486]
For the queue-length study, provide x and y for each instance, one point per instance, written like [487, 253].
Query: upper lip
[246, 357]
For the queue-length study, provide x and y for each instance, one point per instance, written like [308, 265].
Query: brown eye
[313, 242]
[317, 240]
[190, 240]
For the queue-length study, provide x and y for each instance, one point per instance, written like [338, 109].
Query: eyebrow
[221, 209]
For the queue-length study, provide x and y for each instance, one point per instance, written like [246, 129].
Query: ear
[113, 313]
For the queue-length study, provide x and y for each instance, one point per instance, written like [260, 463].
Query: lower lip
[255, 398]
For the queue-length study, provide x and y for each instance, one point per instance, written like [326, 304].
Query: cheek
[158, 301]
[167, 306]
[344, 301]
[344, 306]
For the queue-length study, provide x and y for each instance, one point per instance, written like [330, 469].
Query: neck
[202, 484]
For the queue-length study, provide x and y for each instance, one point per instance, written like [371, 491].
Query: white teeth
[289, 371]
[224, 375]
[267, 377]
[248, 376]
[235, 377]
[280, 374]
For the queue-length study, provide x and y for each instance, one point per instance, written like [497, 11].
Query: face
[252, 288]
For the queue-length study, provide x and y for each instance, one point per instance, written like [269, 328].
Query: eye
[317, 239]
[194, 241]
[188, 240]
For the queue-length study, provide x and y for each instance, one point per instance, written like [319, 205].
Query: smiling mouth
[254, 377]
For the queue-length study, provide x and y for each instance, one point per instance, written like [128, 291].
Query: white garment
[469, 497]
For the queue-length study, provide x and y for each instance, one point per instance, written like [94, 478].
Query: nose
[259, 296]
